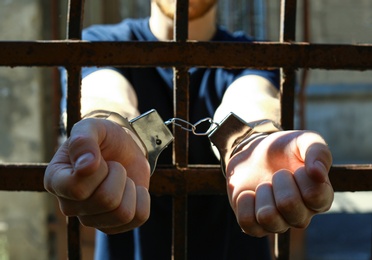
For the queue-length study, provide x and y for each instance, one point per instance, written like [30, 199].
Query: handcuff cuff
[152, 135]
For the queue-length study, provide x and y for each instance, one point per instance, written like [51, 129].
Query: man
[100, 174]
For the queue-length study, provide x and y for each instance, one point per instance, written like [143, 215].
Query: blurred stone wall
[23, 224]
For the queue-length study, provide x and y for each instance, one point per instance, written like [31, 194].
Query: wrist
[122, 122]
[233, 133]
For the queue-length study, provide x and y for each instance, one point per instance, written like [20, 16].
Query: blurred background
[334, 103]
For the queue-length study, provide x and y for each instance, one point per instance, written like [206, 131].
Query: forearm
[108, 90]
[252, 98]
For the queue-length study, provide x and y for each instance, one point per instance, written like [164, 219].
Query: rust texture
[180, 144]
[198, 179]
[287, 98]
[75, 18]
[73, 96]
[187, 54]
[74, 31]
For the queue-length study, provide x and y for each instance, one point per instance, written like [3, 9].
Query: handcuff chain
[193, 127]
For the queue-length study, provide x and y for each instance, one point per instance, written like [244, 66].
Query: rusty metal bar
[180, 145]
[74, 30]
[179, 230]
[181, 110]
[73, 96]
[22, 177]
[180, 159]
[288, 20]
[188, 54]
[305, 72]
[181, 24]
[166, 181]
[287, 89]
[74, 19]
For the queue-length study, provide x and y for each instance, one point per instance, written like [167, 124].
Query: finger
[316, 155]
[316, 196]
[84, 146]
[245, 214]
[288, 199]
[114, 144]
[267, 214]
[123, 214]
[105, 198]
[142, 213]
[68, 185]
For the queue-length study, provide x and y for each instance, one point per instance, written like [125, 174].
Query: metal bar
[287, 88]
[179, 229]
[74, 19]
[73, 238]
[188, 54]
[22, 177]
[181, 110]
[181, 21]
[287, 97]
[180, 157]
[288, 20]
[166, 180]
[304, 73]
[74, 28]
[180, 145]
[73, 96]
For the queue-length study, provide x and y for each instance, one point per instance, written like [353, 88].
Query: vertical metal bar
[305, 72]
[73, 96]
[288, 20]
[180, 154]
[181, 21]
[288, 34]
[287, 88]
[74, 28]
[75, 19]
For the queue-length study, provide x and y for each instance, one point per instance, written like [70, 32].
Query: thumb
[77, 168]
[95, 140]
[316, 155]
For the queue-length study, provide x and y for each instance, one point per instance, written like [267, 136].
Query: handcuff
[152, 134]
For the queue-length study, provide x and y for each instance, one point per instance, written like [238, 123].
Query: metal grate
[181, 179]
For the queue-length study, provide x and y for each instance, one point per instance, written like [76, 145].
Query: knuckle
[301, 224]
[255, 232]
[88, 221]
[286, 204]
[267, 215]
[79, 192]
[248, 224]
[125, 214]
[109, 202]
[142, 216]
[315, 199]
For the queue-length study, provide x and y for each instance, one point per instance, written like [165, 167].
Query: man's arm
[251, 98]
[108, 90]
[100, 174]
[277, 181]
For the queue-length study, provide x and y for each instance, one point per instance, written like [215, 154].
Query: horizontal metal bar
[22, 177]
[188, 54]
[198, 179]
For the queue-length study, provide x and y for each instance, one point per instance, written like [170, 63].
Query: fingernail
[83, 160]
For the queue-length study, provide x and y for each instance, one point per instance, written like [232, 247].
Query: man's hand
[279, 182]
[101, 176]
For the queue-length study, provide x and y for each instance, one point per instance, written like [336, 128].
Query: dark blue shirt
[212, 229]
